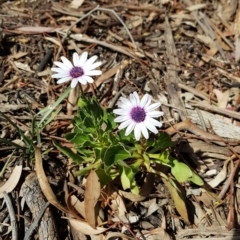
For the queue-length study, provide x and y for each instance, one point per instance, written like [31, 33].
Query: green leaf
[103, 177]
[127, 175]
[114, 153]
[181, 171]
[84, 171]
[77, 138]
[146, 161]
[27, 141]
[178, 196]
[127, 139]
[108, 118]
[49, 109]
[89, 125]
[163, 141]
[196, 179]
[69, 153]
[162, 158]
[135, 166]
[5, 141]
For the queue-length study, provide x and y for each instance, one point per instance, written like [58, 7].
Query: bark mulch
[184, 53]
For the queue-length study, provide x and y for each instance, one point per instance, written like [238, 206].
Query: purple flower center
[76, 72]
[138, 114]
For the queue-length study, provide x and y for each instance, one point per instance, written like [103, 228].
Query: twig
[45, 60]
[112, 102]
[80, 37]
[36, 221]
[229, 180]
[215, 109]
[121, 21]
[75, 23]
[12, 216]
[89, 13]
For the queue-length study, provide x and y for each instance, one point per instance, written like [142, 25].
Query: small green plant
[102, 147]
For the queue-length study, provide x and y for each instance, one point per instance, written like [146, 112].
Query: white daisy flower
[137, 115]
[80, 71]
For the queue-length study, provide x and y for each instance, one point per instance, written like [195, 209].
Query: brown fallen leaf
[12, 182]
[34, 29]
[193, 128]
[85, 228]
[179, 199]
[111, 72]
[78, 205]
[92, 195]
[160, 232]
[72, 202]
[43, 182]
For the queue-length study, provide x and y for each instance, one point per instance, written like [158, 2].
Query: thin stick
[75, 23]
[12, 216]
[89, 13]
[36, 221]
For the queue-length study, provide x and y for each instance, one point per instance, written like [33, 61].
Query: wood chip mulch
[184, 53]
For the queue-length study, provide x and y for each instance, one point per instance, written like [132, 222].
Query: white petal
[146, 98]
[121, 112]
[122, 118]
[130, 127]
[137, 98]
[144, 130]
[126, 102]
[152, 121]
[125, 106]
[125, 124]
[137, 132]
[93, 73]
[83, 59]
[134, 99]
[153, 106]
[87, 79]
[82, 80]
[75, 59]
[62, 65]
[155, 114]
[62, 80]
[59, 70]
[151, 127]
[74, 83]
[92, 66]
[91, 60]
[60, 75]
[66, 62]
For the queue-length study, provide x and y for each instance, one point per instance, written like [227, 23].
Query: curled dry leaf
[85, 228]
[221, 176]
[152, 208]
[72, 201]
[92, 195]
[160, 233]
[178, 196]
[131, 196]
[33, 29]
[76, 4]
[43, 182]
[23, 66]
[12, 182]
[78, 205]
[188, 125]
[111, 72]
[116, 235]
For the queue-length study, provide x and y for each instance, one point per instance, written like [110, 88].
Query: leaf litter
[172, 49]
